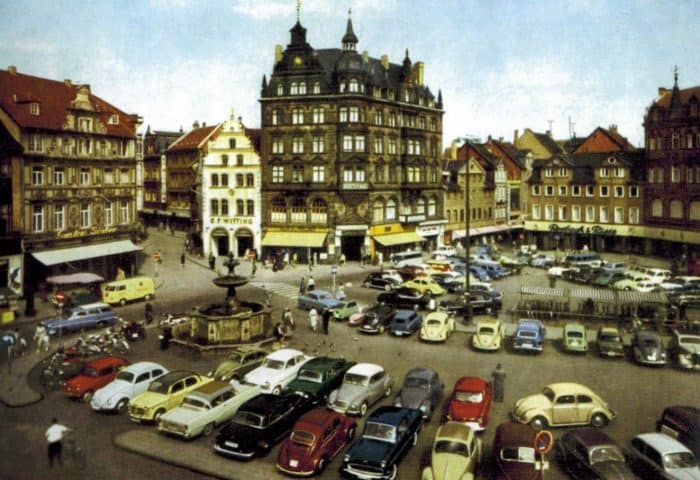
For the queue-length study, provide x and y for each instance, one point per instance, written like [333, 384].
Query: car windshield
[606, 453]
[413, 382]
[89, 372]
[518, 454]
[527, 334]
[690, 340]
[649, 342]
[236, 358]
[433, 322]
[574, 334]
[451, 446]
[126, 376]
[609, 337]
[380, 431]
[679, 460]
[470, 397]
[301, 437]
[273, 364]
[547, 392]
[158, 387]
[248, 418]
[486, 331]
[194, 404]
[310, 376]
[356, 379]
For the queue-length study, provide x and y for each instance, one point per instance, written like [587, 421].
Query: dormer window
[317, 87]
[294, 89]
[113, 119]
[302, 88]
[280, 90]
[353, 86]
[34, 109]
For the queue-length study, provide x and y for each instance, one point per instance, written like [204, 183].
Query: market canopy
[75, 278]
[65, 255]
[545, 291]
[294, 239]
[398, 238]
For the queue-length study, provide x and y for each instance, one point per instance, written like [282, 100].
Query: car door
[584, 407]
[176, 393]
[78, 321]
[375, 387]
[141, 383]
[564, 410]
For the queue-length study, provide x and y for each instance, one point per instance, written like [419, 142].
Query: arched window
[353, 86]
[657, 208]
[239, 207]
[420, 206]
[214, 206]
[694, 211]
[280, 89]
[302, 88]
[676, 209]
[278, 211]
[298, 211]
[250, 208]
[294, 89]
[432, 207]
[317, 87]
[378, 211]
[391, 209]
[319, 211]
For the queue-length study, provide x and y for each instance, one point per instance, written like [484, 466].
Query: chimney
[195, 124]
[419, 68]
[488, 139]
[12, 69]
[68, 82]
[612, 128]
[365, 56]
[204, 124]
[500, 139]
[515, 136]
[549, 133]
[453, 150]
[278, 54]
[385, 62]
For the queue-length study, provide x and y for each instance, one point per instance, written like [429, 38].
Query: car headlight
[424, 407]
[397, 402]
[346, 458]
[383, 464]
[266, 385]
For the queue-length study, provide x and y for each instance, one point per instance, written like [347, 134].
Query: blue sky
[501, 65]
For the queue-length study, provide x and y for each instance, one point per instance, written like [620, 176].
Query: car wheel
[599, 420]
[277, 390]
[87, 396]
[387, 392]
[321, 466]
[122, 302]
[394, 471]
[101, 324]
[208, 429]
[538, 423]
[351, 434]
[122, 405]
[158, 414]
[363, 409]
[366, 285]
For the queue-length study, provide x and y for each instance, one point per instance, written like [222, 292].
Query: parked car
[277, 370]
[443, 278]
[656, 455]
[575, 338]
[345, 309]
[241, 360]
[380, 310]
[405, 322]
[94, 375]
[563, 404]
[514, 453]
[689, 298]
[437, 327]
[587, 452]
[682, 422]
[581, 274]
[163, 394]
[480, 273]
[542, 260]
[444, 251]
[609, 341]
[316, 438]
[204, 409]
[470, 402]
[605, 278]
[404, 297]
[614, 267]
[657, 275]
[632, 278]
[557, 271]
[388, 435]
[409, 272]
[489, 334]
[363, 385]
[318, 377]
[455, 454]
[529, 335]
[426, 286]
[92, 315]
[318, 299]
[685, 350]
[648, 348]
[380, 281]
[376, 320]
[479, 301]
[422, 390]
[129, 382]
[259, 424]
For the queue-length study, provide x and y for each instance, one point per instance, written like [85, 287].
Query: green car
[240, 361]
[345, 309]
[319, 377]
[575, 339]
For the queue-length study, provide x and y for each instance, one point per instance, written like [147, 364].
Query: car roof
[267, 403]
[211, 389]
[284, 354]
[492, 322]
[421, 372]
[442, 316]
[247, 349]
[321, 364]
[470, 384]
[320, 293]
[591, 436]
[569, 387]
[106, 361]
[650, 334]
[529, 323]
[685, 413]
[315, 420]
[388, 414]
[511, 434]
[454, 430]
[366, 369]
[140, 367]
[91, 305]
[403, 313]
[611, 330]
[575, 326]
[662, 443]
[175, 376]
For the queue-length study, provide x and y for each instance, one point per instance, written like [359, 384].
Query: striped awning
[398, 238]
[94, 250]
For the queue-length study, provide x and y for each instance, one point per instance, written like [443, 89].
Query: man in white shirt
[54, 435]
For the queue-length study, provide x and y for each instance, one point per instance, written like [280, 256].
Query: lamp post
[467, 217]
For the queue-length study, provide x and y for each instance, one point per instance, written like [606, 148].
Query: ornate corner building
[350, 153]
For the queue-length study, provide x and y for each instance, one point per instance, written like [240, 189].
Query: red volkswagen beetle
[94, 375]
[316, 439]
[470, 402]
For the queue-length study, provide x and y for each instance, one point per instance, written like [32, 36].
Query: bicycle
[74, 451]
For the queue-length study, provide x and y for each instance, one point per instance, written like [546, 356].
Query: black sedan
[404, 297]
[389, 433]
[259, 424]
[377, 280]
[377, 318]
[481, 303]
[587, 452]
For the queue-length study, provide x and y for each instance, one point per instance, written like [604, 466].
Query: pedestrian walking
[302, 286]
[182, 260]
[41, 339]
[254, 266]
[287, 319]
[326, 318]
[295, 259]
[285, 258]
[54, 436]
[310, 284]
[313, 319]
[342, 259]
[148, 313]
[499, 377]
[212, 261]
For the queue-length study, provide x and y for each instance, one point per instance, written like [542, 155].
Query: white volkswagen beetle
[129, 382]
[277, 370]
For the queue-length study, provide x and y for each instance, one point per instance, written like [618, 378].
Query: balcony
[413, 218]
[354, 186]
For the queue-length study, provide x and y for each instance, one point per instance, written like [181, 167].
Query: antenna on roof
[298, 9]
[572, 133]
[550, 122]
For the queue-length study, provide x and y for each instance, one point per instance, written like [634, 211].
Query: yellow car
[425, 285]
[455, 454]
[437, 326]
[163, 394]
[489, 334]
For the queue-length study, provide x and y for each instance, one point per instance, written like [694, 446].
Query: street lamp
[467, 215]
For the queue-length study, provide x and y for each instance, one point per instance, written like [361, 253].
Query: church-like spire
[439, 99]
[405, 68]
[349, 39]
[264, 82]
[676, 104]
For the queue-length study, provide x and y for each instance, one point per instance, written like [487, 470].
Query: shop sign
[428, 231]
[593, 230]
[230, 221]
[85, 232]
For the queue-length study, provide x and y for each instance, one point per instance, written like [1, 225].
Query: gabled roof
[55, 99]
[664, 100]
[548, 142]
[611, 134]
[509, 150]
[194, 139]
[254, 134]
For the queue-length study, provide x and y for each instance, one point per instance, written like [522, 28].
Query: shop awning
[65, 255]
[75, 278]
[294, 239]
[398, 238]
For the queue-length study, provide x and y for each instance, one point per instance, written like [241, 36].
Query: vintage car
[657, 455]
[318, 299]
[470, 402]
[259, 424]
[682, 422]
[129, 382]
[204, 409]
[443, 278]
[688, 298]
[514, 453]
[409, 272]
[648, 348]
[529, 335]
[403, 297]
[163, 394]
[588, 452]
[380, 281]
[92, 315]
[241, 360]
[480, 302]
[542, 260]
[605, 278]
[94, 375]
[489, 334]
[363, 385]
[379, 310]
[437, 326]
[277, 370]
[376, 320]
[456, 453]
[345, 310]
[575, 338]
[317, 437]
[319, 377]
[632, 278]
[563, 404]
[388, 435]
[444, 251]
[685, 350]
[425, 285]
[405, 322]
[422, 389]
[609, 342]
